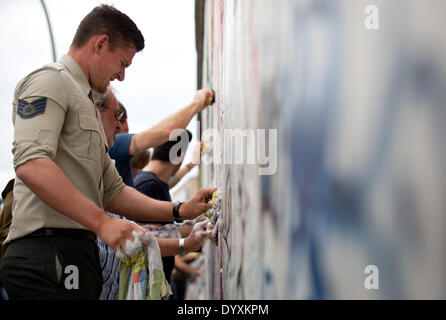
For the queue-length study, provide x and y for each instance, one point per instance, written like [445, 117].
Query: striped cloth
[110, 268]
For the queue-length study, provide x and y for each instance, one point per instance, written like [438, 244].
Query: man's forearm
[159, 133]
[168, 247]
[132, 204]
[53, 187]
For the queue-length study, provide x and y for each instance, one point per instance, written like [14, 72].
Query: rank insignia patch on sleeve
[28, 110]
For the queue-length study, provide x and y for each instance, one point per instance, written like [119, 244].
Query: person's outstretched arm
[133, 204]
[159, 133]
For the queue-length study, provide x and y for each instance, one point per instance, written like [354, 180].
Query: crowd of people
[85, 187]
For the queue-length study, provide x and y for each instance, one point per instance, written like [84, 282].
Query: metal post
[50, 30]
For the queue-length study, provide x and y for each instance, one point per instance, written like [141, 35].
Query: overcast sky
[161, 80]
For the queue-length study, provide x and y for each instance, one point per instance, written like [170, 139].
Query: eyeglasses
[119, 114]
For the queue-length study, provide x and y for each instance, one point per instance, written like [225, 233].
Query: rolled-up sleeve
[37, 136]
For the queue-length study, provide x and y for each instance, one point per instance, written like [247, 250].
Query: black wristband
[176, 211]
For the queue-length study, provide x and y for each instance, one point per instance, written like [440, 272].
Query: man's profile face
[108, 117]
[110, 66]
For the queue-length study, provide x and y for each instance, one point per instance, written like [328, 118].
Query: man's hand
[197, 205]
[203, 98]
[115, 232]
[195, 239]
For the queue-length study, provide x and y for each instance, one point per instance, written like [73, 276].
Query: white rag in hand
[133, 248]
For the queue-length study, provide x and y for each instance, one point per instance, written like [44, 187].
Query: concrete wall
[360, 118]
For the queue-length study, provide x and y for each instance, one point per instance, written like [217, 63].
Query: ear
[101, 43]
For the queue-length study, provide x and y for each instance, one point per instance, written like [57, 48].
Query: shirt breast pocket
[88, 144]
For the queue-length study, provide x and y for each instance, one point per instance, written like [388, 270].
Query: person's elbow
[23, 171]
[169, 131]
[31, 168]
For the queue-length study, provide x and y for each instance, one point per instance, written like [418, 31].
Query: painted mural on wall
[354, 205]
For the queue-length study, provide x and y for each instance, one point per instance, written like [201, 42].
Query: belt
[58, 232]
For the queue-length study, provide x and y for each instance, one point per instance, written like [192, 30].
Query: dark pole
[50, 30]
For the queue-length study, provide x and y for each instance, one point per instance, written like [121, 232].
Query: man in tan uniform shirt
[64, 177]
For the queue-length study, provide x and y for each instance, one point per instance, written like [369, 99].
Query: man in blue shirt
[121, 154]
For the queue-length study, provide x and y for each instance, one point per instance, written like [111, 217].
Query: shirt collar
[77, 73]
